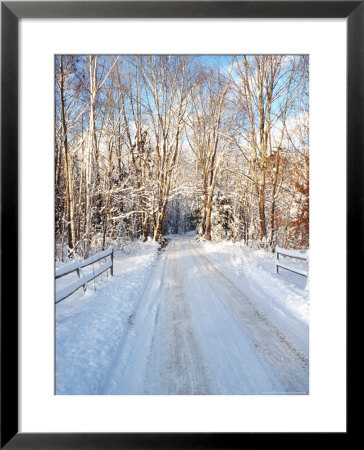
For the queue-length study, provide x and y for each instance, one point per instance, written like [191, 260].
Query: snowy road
[195, 331]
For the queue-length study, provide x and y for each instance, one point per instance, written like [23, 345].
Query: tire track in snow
[195, 332]
[183, 371]
[287, 363]
[160, 354]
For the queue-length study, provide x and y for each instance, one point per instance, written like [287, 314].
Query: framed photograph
[179, 217]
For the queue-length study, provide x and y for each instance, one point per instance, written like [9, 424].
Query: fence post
[308, 268]
[277, 261]
[79, 276]
[112, 262]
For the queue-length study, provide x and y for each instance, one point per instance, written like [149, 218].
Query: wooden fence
[84, 279]
[291, 254]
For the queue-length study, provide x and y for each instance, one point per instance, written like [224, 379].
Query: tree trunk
[208, 219]
[158, 230]
[145, 227]
[91, 140]
[68, 165]
[262, 222]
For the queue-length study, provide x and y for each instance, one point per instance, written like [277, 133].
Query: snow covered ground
[91, 326]
[200, 318]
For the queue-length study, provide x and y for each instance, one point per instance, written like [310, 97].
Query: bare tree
[207, 121]
[269, 86]
[148, 144]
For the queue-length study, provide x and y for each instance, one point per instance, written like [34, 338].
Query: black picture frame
[11, 12]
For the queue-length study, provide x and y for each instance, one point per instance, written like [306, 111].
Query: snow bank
[90, 326]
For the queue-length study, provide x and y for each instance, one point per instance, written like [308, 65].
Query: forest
[152, 145]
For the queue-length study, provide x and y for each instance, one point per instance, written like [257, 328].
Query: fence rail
[84, 279]
[291, 254]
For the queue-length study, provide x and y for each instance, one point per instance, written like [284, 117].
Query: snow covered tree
[208, 121]
[269, 86]
[158, 144]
